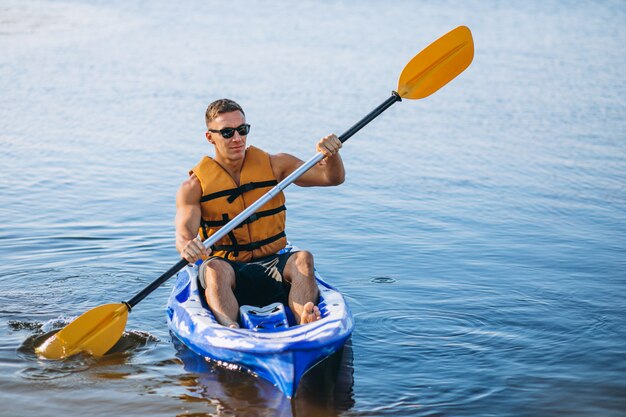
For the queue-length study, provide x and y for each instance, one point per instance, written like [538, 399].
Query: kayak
[269, 344]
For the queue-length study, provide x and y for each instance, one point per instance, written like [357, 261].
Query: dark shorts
[260, 282]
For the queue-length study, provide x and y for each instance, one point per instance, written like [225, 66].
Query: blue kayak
[269, 344]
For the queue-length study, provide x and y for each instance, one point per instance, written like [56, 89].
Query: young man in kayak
[245, 267]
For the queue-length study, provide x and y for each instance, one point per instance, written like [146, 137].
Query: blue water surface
[479, 237]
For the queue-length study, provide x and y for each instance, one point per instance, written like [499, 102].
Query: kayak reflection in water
[247, 267]
[327, 389]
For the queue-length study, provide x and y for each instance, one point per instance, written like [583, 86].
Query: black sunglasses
[229, 132]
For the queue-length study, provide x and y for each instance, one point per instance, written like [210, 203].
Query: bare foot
[310, 313]
[233, 326]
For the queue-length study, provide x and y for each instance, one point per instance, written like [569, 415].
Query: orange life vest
[263, 233]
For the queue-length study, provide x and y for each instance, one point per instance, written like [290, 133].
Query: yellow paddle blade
[437, 65]
[94, 332]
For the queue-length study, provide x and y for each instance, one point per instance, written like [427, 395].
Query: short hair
[223, 105]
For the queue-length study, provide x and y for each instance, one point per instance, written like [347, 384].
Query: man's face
[233, 148]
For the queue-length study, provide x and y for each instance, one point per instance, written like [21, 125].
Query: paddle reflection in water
[326, 390]
[131, 343]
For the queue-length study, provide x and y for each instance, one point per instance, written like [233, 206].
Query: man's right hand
[194, 250]
[188, 219]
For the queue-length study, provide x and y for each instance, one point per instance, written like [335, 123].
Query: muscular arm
[329, 171]
[188, 215]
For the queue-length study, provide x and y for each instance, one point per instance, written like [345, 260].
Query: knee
[302, 269]
[218, 273]
[304, 262]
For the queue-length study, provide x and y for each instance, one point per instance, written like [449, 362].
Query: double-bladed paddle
[97, 330]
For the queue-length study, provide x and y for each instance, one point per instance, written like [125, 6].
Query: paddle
[97, 330]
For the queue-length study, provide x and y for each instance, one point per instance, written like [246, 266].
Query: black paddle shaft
[395, 97]
[374, 114]
[156, 284]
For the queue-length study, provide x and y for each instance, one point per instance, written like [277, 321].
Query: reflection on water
[131, 343]
[326, 390]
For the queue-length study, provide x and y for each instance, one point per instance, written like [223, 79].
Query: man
[246, 266]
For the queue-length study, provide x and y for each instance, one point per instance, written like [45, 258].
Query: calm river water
[479, 237]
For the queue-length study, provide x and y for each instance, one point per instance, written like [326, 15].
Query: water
[479, 237]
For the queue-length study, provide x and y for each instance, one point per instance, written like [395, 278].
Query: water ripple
[426, 329]
[131, 343]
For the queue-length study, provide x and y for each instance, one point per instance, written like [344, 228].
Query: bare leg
[304, 293]
[219, 278]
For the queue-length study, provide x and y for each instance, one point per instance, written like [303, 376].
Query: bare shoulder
[284, 164]
[190, 191]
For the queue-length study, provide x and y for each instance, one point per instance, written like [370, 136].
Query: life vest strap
[248, 247]
[253, 217]
[233, 193]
